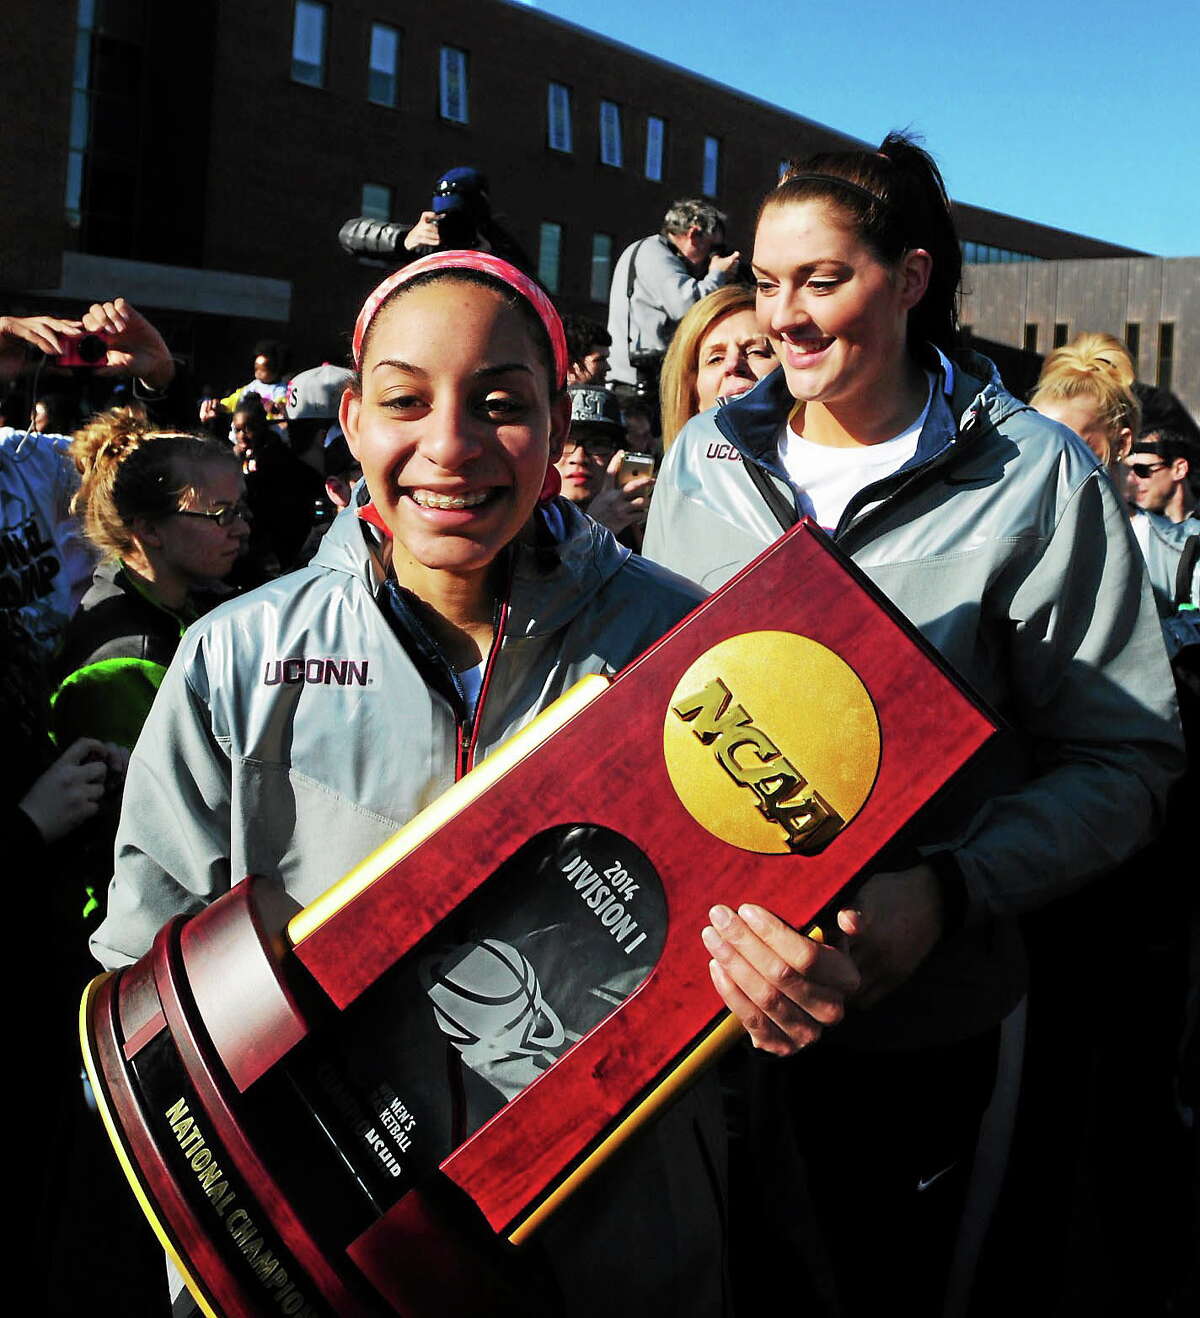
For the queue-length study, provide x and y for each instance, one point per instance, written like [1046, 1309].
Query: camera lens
[91, 349]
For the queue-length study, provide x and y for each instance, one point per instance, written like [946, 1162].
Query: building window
[383, 65]
[376, 201]
[602, 248]
[308, 43]
[655, 135]
[453, 85]
[1061, 331]
[558, 117]
[1166, 354]
[1133, 341]
[984, 254]
[712, 166]
[549, 252]
[80, 113]
[610, 134]
[1031, 336]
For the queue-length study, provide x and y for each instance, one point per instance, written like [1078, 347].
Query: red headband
[466, 260]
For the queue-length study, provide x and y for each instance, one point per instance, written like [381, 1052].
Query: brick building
[206, 177]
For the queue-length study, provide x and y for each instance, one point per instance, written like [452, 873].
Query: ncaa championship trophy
[341, 1109]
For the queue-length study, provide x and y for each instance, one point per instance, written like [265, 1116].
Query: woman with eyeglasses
[166, 512]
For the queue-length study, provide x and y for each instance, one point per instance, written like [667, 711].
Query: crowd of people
[489, 500]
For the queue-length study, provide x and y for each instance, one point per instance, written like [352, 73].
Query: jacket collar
[548, 589]
[965, 394]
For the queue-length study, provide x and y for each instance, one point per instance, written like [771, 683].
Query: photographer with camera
[656, 280]
[459, 218]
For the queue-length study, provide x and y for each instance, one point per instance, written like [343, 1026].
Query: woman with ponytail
[165, 511]
[455, 599]
[1087, 385]
[1001, 539]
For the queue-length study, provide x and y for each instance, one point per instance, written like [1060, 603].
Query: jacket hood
[104, 582]
[552, 581]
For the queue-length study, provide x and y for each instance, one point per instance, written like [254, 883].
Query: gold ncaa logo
[771, 742]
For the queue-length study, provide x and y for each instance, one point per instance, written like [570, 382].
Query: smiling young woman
[303, 724]
[455, 422]
[999, 536]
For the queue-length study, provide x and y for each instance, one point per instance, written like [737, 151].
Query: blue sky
[1080, 115]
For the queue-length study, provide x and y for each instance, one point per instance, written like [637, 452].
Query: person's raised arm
[48, 334]
[135, 347]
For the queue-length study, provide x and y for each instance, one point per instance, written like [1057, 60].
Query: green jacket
[115, 654]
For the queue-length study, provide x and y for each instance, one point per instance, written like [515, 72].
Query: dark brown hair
[896, 201]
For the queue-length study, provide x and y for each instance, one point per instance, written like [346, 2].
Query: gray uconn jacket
[1003, 541]
[293, 734]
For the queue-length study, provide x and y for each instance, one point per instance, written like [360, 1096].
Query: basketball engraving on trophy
[784, 795]
[771, 742]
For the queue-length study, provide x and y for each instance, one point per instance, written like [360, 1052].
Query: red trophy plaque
[503, 993]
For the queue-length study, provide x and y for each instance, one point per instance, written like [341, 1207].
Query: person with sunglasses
[1164, 514]
[166, 511]
[1160, 475]
[1088, 386]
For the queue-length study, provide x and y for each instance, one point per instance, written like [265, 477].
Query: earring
[552, 485]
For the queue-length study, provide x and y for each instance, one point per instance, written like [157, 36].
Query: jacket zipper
[468, 730]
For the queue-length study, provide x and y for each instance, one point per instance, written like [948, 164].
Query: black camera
[372, 238]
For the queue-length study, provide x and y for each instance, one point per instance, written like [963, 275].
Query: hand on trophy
[892, 927]
[783, 987]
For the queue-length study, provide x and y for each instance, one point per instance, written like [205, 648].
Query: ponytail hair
[129, 469]
[1099, 367]
[895, 200]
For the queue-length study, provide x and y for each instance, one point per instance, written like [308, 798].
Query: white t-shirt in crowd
[828, 478]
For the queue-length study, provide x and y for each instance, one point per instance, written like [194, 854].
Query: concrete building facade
[1152, 305]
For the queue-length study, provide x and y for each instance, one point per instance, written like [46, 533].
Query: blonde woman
[718, 352]
[1088, 386]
